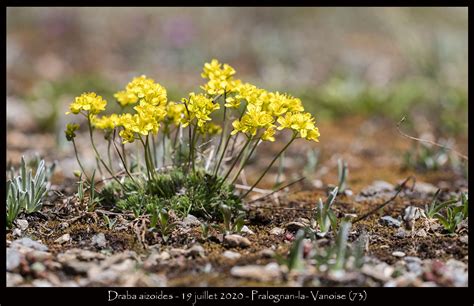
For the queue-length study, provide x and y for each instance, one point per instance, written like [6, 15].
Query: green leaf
[295, 258]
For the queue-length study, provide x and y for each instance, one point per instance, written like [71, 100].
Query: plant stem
[147, 162]
[123, 154]
[97, 152]
[164, 150]
[237, 158]
[108, 152]
[78, 160]
[269, 166]
[122, 158]
[245, 160]
[154, 149]
[222, 155]
[224, 128]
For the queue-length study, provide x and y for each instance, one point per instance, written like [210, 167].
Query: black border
[61, 296]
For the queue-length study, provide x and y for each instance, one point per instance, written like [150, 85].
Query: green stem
[122, 159]
[224, 128]
[154, 149]
[147, 162]
[123, 154]
[78, 160]
[97, 152]
[269, 166]
[108, 153]
[222, 155]
[164, 150]
[193, 144]
[245, 161]
[237, 158]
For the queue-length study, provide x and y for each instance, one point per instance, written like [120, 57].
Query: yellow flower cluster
[210, 129]
[264, 108]
[142, 89]
[89, 102]
[106, 122]
[303, 123]
[150, 111]
[200, 107]
[175, 112]
[261, 110]
[220, 78]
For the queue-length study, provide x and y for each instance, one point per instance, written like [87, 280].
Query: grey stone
[267, 253]
[247, 230]
[41, 283]
[376, 187]
[427, 188]
[401, 233]
[13, 259]
[236, 241]
[99, 240]
[76, 267]
[16, 232]
[63, 239]
[14, 279]
[22, 224]
[175, 252]
[381, 271]
[414, 267]
[29, 243]
[389, 221]
[190, 221]
[398, 254]
[231, 255]
[270, 272]
[277, 231]
[196, 251]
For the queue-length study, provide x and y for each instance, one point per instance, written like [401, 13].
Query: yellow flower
[199, 107]
[142, 89]
[302, 123]
[106, 122]
[89, 102]
[220, 78]
[211, 129]
[127, 136]
[269, 134]
[252, 120]
[313, 135]
[175, 112]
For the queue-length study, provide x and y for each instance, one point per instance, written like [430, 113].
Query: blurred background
[373, 63]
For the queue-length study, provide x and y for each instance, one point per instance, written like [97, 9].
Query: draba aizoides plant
[186, 155]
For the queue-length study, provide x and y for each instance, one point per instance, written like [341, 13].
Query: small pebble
[398, 254]
[22, 224]
[99, 240]
[16, 232]
[401, 233]
[277, 231]
[196, 251]
[389, 221]
[63, 239]
[267, 253]
[247, 230]
[236, 241]
[231, 255]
